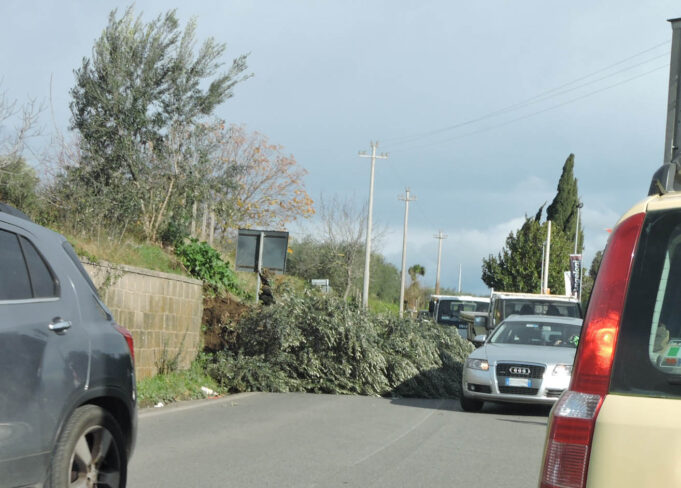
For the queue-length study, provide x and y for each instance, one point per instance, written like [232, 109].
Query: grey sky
[332, 75]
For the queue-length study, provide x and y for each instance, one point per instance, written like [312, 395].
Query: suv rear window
[542, 307]
[648, 355]
[25, 275]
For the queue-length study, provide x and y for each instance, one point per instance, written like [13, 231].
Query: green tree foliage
[313, 259]
[415, 271]
[563, 209]
[518, 266]
[320, 343]
[18, 183]
[385, 280]
[140, 105]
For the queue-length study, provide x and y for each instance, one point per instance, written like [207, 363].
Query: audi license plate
[524, 382]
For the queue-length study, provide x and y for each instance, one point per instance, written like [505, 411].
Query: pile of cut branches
[318, 343]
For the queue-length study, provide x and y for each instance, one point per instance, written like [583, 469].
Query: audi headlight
[562, 370]
[481, 364]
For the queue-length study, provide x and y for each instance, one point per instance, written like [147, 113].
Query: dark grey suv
[68, 414]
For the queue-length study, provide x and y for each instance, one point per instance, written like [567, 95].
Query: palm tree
[413, 293]
[416, 271]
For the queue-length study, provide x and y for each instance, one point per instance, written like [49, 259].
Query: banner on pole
[576, 274]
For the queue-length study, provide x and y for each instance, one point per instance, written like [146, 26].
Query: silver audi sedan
[525, 359]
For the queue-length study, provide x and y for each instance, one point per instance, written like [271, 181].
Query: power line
[538, 112]
[537, 98]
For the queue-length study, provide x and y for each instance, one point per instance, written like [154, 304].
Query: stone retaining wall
[162, 311]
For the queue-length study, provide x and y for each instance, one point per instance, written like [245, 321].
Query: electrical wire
[543, 96]
[538, 112]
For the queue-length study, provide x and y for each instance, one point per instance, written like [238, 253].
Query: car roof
[460, 298]
[668, 201]
[8, 209]
[554, 319]
[534, 296]
[19, 219]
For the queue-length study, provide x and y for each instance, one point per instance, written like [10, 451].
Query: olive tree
[140, 104]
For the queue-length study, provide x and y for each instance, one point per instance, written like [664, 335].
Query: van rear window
[648, 355]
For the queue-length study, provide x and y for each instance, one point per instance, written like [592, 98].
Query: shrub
[319, 343]
[205, 263]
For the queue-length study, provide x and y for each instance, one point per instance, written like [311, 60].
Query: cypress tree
[563, 209]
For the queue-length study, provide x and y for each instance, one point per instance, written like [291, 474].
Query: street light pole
[547, 257]
[579, 205]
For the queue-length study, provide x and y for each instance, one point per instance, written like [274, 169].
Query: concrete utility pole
[440, 236]
[367, 259]
[579, 205]
[406, 199]
[545, 285]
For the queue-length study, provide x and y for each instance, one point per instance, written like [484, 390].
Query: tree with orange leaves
[268, 186]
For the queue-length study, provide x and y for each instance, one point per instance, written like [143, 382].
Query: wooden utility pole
[406, 199]
[439, 236]
[367, 259]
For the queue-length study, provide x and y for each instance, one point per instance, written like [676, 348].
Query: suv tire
[78, 456]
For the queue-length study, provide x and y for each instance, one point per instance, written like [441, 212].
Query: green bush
[319, 343]
[205, 263]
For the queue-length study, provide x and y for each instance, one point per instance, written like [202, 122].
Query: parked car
[526, 359]
[68, 411]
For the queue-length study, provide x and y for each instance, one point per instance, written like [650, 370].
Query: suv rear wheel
[90, 451]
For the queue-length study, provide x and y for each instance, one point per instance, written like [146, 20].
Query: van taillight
[566, 457]
[128, 338]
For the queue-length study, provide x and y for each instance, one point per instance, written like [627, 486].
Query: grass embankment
[176, 386]
[148, 256]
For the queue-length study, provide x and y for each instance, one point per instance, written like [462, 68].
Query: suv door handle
[59, 325]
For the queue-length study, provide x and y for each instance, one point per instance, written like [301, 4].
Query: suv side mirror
[479, 340]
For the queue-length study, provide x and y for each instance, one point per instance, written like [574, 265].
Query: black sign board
[274, 250]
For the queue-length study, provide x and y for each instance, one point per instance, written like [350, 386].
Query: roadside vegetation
[149, 176]
[176, 386]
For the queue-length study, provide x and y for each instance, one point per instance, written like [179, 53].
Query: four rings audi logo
[519, 370]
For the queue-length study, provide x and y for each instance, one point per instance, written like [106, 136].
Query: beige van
[619, 423]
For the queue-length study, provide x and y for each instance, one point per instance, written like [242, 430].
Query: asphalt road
[300, 440]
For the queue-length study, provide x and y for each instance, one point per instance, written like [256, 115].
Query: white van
[504, 304]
